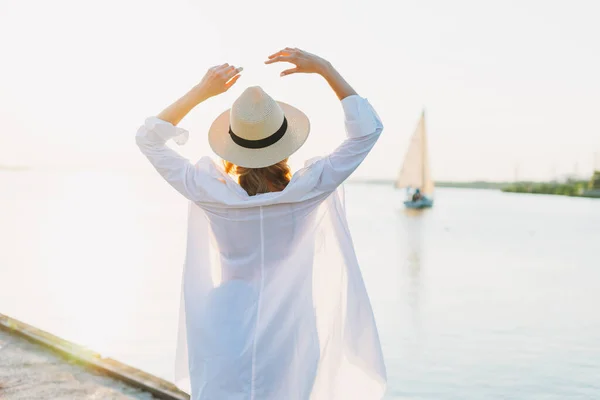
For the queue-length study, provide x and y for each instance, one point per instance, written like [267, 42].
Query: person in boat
[417, 195]
[273, 302]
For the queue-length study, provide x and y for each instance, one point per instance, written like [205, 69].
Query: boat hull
[421, 203]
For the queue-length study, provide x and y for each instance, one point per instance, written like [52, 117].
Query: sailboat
[415, 173]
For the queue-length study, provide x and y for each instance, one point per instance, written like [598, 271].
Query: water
[486, 296]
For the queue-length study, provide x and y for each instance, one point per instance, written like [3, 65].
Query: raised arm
[151, 138]
[363, 125]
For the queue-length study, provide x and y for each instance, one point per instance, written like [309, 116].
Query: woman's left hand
[217, 80]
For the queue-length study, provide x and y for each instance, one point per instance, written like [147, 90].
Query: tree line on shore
[572, 187]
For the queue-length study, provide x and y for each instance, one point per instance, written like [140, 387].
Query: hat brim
[296, 134]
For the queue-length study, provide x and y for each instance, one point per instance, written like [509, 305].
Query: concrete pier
[37, 365]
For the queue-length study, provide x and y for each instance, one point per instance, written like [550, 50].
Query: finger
[275, 54]
[226, 70]
[279, 59]
[289, 71]
[285, 52]
[222, 67]
[232, 81]
[230, 73]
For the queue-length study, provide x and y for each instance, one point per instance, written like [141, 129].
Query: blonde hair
[261, 180]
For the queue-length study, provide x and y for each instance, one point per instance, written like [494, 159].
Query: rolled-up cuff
[360, 117]
[166, 130]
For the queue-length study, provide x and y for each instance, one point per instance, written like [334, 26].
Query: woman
[273, 302]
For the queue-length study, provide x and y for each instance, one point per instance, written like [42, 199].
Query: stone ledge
[72, 352]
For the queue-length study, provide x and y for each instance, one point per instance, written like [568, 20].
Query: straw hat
[258, 131]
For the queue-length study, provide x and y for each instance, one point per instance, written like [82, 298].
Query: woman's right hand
[304, 61]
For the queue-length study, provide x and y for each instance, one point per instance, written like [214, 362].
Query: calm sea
[486, 296]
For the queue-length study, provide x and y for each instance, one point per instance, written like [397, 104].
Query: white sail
[415, 172]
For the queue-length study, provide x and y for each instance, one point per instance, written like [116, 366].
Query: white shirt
[273, 302]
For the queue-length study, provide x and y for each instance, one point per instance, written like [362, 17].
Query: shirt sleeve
[177, 170]
[363, 128]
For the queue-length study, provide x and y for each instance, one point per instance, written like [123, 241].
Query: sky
[510, 88]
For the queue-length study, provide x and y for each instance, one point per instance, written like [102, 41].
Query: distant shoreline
[572, 188]
[576, 189]
[443, 184]
[13, 168]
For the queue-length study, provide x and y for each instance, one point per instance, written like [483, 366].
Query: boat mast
[423, 151]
